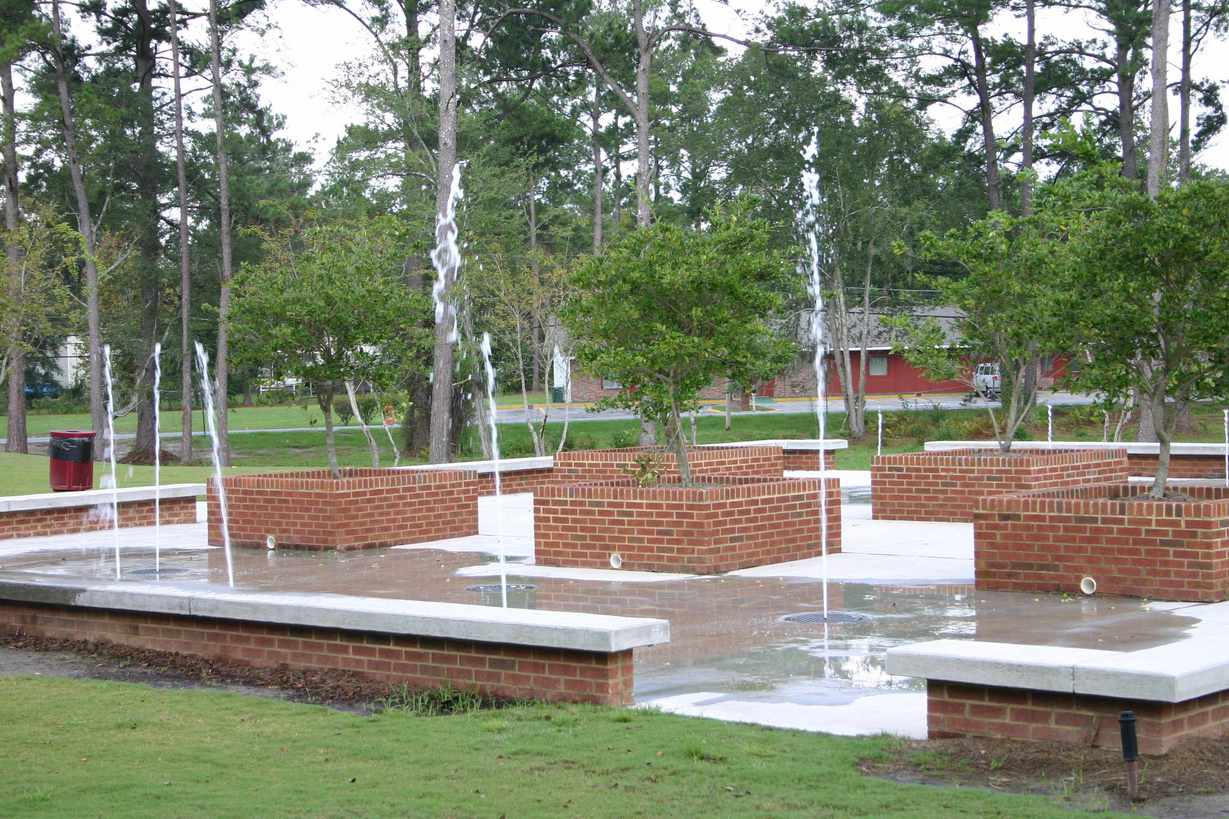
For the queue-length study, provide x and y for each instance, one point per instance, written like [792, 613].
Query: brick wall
[947, 485]
[1047, 541]
[367, 508]
[808, 460]
[496, 669]
[588, 388]
[1180, 466]
[954, 710]
[610, 464]
[72, 519]
[742, 522]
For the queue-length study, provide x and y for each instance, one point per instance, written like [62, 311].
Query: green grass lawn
[88, 748]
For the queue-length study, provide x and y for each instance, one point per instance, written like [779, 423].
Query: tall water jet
[157, 458]
[1226, 447]
[1049, 425]
[106, 371]
[494, 427]
[446, 257]
[202, 359]
[810, 225]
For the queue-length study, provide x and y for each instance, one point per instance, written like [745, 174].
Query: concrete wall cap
[792, 445]
[96, 497]
[488, 467]
[1175, 672]
[454, 621]
[1132, 447]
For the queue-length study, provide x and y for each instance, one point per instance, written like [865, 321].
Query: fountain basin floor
[731, 656]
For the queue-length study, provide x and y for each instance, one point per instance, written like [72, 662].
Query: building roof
[882, 336]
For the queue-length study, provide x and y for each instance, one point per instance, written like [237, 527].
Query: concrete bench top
[1174, 672]
[94, 497]
[1132, 447]
[795, 444]
[453, 621]
[489, 467]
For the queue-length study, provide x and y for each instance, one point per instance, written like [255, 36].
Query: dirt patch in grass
[104, 660]
[1086, 776]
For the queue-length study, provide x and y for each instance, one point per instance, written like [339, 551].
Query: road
[579, 415]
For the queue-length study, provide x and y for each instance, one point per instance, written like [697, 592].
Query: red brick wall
[588, 388]
[610, 464]
[947, 485]
[954, 710]
[808, 460]
[743, 522]
[1048, 541]
[73, 519]
[496, 669]
[367, 508]
[528, 480]
[1180, 466]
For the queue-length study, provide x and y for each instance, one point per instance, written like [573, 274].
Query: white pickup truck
[987, 382]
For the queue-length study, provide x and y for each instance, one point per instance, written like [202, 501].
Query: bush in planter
[666, 309]
[1147, 298]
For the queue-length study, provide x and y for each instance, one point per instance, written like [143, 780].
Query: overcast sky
[310, 45]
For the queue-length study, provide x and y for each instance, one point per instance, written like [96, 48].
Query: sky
[311, 44]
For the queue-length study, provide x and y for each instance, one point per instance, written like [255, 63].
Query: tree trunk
[1165, 421]
[645, 51]
[1126, 107]
[219, 122]
[1184, 99]
[1030, 92]
[594, 133]
[85, 225]
[324, 397]
[149, 242]
[16, 431]
[1158, 143]
[986, 114]
[441, 386]
[185, 259]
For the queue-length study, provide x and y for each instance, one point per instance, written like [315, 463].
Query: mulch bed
[340, 689]
[1198, 766]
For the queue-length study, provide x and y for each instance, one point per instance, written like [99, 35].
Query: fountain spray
[446, 257]
[879, 443]
[1049, 425]
[499, 503]
[1226, 447]
[810, 221]
[157, 458]
[202, 359]
[106, 370]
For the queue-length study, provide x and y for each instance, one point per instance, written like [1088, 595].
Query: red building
[888, 372]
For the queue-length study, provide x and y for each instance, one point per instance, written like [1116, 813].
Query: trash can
[556, 395]
[72, 460]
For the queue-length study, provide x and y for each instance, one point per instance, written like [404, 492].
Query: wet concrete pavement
[731, 654]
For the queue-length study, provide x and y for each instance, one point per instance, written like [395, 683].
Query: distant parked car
[42, 389]
[987, 382]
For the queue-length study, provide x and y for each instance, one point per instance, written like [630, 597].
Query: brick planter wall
[808, 460]
[744, 522]
[609, 464]
[947, 485]
[367, 508]
[495, 669]
[1180, 466]
[954, 710]
[1047, 541]
[73, 519]
[526, 480]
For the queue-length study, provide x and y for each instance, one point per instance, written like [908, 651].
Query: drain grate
[494, 588]
[161, 572]
[817, 617]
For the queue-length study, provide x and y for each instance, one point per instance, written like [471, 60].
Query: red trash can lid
[72, 433]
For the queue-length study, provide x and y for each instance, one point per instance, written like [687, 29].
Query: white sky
[309, 45]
